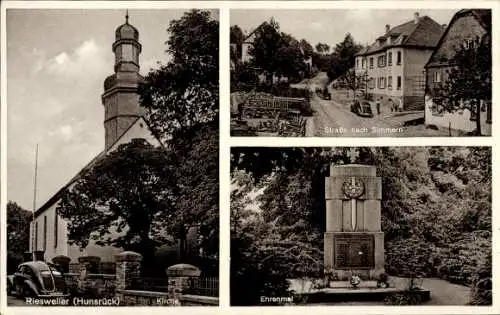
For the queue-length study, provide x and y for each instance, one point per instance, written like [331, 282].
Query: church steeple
[120, 97]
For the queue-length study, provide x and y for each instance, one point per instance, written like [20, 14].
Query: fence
[208, 286]
[150, 284]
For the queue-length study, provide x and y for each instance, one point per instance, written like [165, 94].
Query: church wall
[138, 130]
[51, 250]
[128, 103]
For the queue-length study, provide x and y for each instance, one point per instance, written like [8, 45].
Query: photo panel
[113, 157]
[361, 72]
[361, 226]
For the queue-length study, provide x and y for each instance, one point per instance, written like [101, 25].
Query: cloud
[65, 132]
[88, 57]
[316, 26]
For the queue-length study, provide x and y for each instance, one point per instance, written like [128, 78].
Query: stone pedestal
[128, 268]
[63, 262]
[39, 255]
[354, 242]
[179, 279]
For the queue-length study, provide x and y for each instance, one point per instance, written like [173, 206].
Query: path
[334, 119]
[442, 292]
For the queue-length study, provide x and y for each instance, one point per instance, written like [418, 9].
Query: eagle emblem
[353, 188]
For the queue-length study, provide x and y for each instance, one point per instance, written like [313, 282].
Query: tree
[236, 39]
[123, 200]
[195, 163]
[291, 59]
[236, 35]
[322, 48]
[185, 91]
[343, 57]
[18, 233]
[306, 48]
[243, 77]
[353, 81]
[469, 79]
[182, 99]
[265, 253]
[265, 47]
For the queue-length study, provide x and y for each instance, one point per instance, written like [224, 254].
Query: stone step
[347, 284]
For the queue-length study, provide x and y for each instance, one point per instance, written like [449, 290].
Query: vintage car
[362, 108]
[37, 279]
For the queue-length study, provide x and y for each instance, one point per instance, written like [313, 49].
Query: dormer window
[469, 44]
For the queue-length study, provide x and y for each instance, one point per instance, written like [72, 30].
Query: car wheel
[19, 291]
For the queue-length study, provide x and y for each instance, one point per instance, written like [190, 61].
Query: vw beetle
[362, 109]
[37, 279]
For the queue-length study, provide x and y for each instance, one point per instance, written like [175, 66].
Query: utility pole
[33, 245]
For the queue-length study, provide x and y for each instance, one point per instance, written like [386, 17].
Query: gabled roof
[92, 162]
[362, 51]
[251, 33]
[483, 16]
[424, 34]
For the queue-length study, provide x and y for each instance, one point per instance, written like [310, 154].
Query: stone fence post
[178, 279]
[62, 261]
[128, 267]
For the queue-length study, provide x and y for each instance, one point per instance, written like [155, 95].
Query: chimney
[387, 28]
[416, 17]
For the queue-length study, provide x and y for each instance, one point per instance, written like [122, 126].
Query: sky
[331, 25]
[57, 61]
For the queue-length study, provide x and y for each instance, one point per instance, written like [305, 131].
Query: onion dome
[126, 31]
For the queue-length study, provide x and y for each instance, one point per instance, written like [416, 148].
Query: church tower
[121, 97]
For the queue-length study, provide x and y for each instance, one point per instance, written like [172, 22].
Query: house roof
[92, 162]
[483, 16]
[424, 34]
[251, 33]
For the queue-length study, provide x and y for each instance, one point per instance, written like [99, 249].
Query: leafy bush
[481, 292]
[404, 298]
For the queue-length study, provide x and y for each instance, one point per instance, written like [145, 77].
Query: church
[123, 121]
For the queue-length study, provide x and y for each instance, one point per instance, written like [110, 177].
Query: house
[393, 65]
[248, 42]
[123, 121]
[467, 27]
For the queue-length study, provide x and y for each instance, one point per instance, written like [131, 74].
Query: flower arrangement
[383, 281]
[355, 280]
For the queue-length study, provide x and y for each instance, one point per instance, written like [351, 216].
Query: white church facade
[123, 121]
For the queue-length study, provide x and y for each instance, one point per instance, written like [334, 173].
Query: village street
[332, 118]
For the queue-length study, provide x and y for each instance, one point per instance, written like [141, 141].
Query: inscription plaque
[354, 251]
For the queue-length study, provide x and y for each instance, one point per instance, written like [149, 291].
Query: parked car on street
[362, 108]
[37, 279]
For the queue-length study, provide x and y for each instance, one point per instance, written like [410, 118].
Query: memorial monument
[354, 241]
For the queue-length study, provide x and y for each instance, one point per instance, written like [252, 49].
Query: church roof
[126, 31]
[92, 162]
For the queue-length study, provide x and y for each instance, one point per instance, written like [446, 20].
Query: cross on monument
[354, 210]
[353, 154]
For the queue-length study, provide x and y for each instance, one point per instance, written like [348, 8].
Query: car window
[28, 271]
